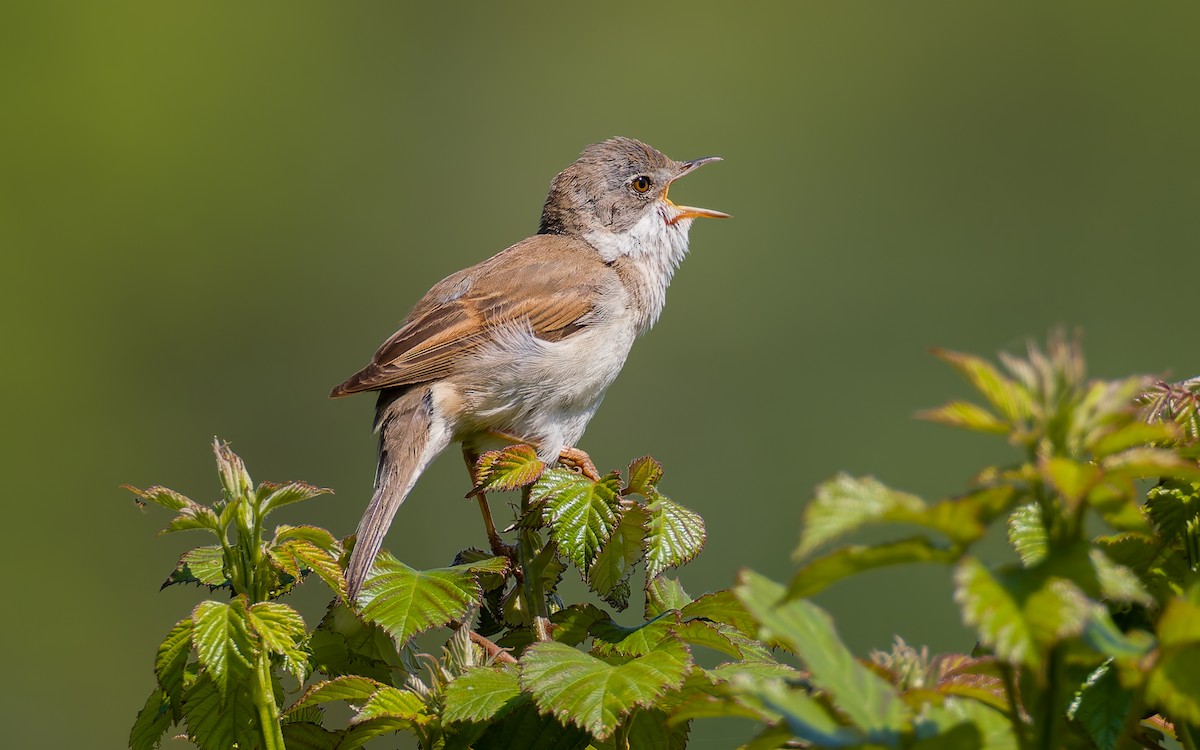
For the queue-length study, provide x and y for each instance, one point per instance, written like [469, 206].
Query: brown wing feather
[528, 283]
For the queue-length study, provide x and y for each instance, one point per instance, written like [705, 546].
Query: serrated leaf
[674, 535]
[753, 669]
[593, 694]
[152, 722]
[170, 663]
[708, 635]
[867, 700]
[220, 720]
[204, 566]
[224, 644]
[271, 495]
[644, 475]
[404, 601]
[823, 571]
[619, 555]
[967, 415]
[194, 517]
[1020, 611]
[282, 631]
[581, 513]
[395, 703]
[1027, 534]
[526, 729]
[302, 555]
[482, 694]
[303, 735]
[1171, 505]
[1005, 395]
[343, 644]
[1117, 582]
[350, 688]
[315, 535]
[571, 624]
[845, 503]
[1100, 706]
[725, 607]
[507, 469]
[1142, 463]
[610, 637]
[166, 497]
[664, 593]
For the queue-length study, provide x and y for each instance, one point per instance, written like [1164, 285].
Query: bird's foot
[578, 461]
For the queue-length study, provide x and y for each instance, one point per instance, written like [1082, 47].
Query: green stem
[528, 546]
[264, 700]
[1007, 673]
[1048, 731]
[1183, 732]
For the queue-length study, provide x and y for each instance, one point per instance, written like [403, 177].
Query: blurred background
[211, 214]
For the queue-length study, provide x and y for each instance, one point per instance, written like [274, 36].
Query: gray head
[612, 185]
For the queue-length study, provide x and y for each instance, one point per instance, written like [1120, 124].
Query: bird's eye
[641, 183]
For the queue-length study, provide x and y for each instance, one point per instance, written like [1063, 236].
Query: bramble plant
[1088, 638]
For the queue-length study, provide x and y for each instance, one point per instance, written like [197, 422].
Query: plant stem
[264, 700]
[1014, 706]
[1183, 732]
[534, 591]
[1048, 732]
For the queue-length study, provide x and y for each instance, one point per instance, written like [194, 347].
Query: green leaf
[1117, 582]
[619, 555]
[664, 593]
[313, 534]
[167, 498]
[709, 635]
[1142, 463]
[571, 624]
[1027, 534]
[1072, 479]
[1132, 435]
[1174, 684]
[644, 475]
[282, 631]
[967, 415]
[170, 664]
[1005, 395]
[725, 607]
[611, 638]
[526, 729]
[867, 700]
[152, 722]
[349, 688]
[1171, 505]
[194, 517]
[220, 719]
[1100, 706]
[807, 717]
[823, 571]
[482, 694]
[303, 735]
[301, 555]
[581, 513]
[404, 601]
[1021, 611]
[845, 504]
[674, 535]
[204, 566]
[388, 710]
[271, 496]
[225, 647]
[593, 694]
[343, 644]
[507, 469]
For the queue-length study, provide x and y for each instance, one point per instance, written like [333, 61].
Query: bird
[521, 347]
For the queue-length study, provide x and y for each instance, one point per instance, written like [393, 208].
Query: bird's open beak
[690, 212]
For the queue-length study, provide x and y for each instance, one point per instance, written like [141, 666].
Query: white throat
[647, 254]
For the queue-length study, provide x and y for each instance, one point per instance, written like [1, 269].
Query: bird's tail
[409, 438]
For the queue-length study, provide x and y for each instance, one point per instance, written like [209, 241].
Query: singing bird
[522, 346]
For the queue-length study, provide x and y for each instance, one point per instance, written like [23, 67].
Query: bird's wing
[542, 282]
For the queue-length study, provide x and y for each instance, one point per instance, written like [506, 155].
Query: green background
[212, 213]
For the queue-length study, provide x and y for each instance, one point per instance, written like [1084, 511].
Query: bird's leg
[497, 544]
[576, 460]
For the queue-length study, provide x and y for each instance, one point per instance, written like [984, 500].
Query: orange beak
[690, 212]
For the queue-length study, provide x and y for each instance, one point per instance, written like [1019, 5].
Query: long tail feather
[409, 438]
